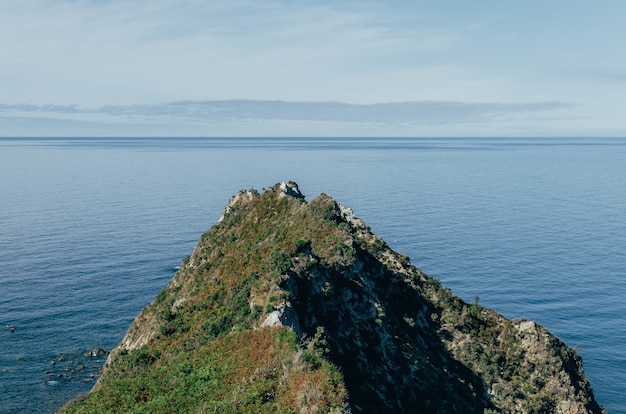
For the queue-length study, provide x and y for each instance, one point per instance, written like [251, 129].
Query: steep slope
[294, 306]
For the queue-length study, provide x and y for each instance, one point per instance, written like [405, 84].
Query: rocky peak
[290, 189]
[294, 306]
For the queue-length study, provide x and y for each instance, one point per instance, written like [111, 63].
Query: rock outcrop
[294, 306]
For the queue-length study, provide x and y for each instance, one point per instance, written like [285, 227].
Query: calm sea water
[91, 230]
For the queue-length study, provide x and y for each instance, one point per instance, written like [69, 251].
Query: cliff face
[294, 306]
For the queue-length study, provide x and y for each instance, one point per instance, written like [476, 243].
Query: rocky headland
[289, 306]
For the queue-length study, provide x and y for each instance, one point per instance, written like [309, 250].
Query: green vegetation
[206, 353]
[259, 371]
[370, 325]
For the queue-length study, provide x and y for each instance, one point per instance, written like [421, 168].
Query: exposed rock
[283, 315]
[295, 306]
[238, 198]
[290, 189]
[96, 352]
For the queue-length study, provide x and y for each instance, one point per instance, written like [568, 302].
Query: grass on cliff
[207, 352]
[260, 371]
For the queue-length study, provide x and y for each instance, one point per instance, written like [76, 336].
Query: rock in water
[294, 306]
[96, 352]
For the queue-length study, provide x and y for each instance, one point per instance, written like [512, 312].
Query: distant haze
[305, 68]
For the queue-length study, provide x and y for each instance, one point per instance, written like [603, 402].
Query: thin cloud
[96, 53]
[59, 109]
[612, 76]
[419, 113]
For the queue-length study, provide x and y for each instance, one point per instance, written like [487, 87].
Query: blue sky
[312, 68]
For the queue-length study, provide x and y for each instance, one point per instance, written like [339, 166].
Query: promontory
[295, 306]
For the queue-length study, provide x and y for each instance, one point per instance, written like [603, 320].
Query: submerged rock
[294, 306]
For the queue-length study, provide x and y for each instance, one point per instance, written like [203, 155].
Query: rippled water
[91, 230]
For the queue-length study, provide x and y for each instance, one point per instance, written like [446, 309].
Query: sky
[312, 68]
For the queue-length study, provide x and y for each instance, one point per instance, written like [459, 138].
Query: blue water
[91, 230]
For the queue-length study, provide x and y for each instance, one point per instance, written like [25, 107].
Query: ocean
[92, 229]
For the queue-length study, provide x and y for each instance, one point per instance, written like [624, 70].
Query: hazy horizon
[298, 69]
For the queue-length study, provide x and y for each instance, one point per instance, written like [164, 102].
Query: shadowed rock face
[370, 332]
[364, 307]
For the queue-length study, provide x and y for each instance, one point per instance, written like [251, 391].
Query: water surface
[92, 229]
